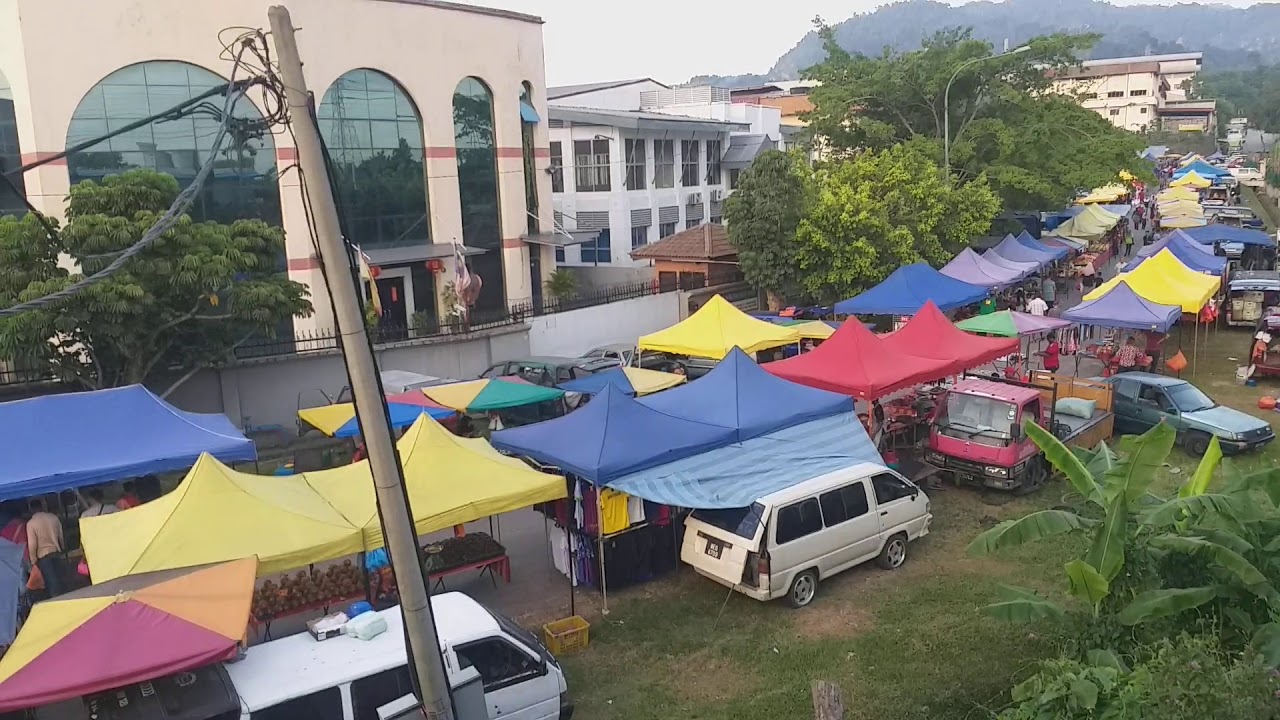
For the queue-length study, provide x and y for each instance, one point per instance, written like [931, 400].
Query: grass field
[903, 645]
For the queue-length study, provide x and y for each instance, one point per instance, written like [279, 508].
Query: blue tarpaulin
[528, 114]
[402, 416]
[57, 442]
[1203, 169]
[737, 475]
[1220, 233]
[740, 395]
[597, 382]
[1057, 252]
[611, 436]
[908, 289]
[10, 586]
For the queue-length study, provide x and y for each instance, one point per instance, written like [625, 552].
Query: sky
[672, 40]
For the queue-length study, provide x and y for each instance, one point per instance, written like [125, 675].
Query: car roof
[835, 478]
[296, 666]
[618, 347]
[1147, 378]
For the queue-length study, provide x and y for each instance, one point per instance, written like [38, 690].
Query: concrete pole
[384, 461]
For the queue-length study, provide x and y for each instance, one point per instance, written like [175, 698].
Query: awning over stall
[970, 267]
[1219, 232]
[907, 289]
[1164, 280]
[931, 335]
[715, 329]
[630, 380]
[1011, 249]
[117, 434]
[1024, 269]
[1121, 307]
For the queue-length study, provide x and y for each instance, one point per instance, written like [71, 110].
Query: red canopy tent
[855, 361]
[929, 334]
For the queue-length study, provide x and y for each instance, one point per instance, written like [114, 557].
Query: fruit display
[461, 551]
[303, 589]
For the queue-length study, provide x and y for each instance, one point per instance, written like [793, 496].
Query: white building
[1132, 92]
[636, 161]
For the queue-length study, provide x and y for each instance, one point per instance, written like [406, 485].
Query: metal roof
[474, 9]
[561, 91]
[640, 120]
[743, 150]
[415, 253]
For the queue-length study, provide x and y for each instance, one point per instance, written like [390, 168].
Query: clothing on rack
[613, 512]
[635, 509]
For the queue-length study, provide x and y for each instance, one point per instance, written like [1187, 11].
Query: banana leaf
[1156, 604]
[1021, 605]
[1106, 552]
[1036, 526]
[1086, 583]
[1268, 481]
[1066, 462]
[1230, 560]
[1194, 506]
[1267, 642]
[1199, 482]
[1143, 455]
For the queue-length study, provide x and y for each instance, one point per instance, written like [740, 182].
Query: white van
[789, 540]
[342, 678]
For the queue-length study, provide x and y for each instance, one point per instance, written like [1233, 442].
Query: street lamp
[946, 104]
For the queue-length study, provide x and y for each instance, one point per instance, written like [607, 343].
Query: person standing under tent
[1128, 242]
[1048, 290]
[95, 504]
[1037, 306]
[1053, 354]
[45, 545]
[1127, 356]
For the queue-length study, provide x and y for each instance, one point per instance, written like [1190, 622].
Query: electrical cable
[160, 227]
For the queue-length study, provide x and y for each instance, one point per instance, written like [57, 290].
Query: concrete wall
[573, 333]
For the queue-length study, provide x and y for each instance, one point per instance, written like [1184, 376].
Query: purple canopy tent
[1121, 307]
[1176, 236]
[1011, 249]
[1057, 251]
[1023, 269]
[972, 268]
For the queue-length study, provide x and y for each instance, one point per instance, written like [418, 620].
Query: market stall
[1011, 324]
[1120, 307]
[1191, 179]
[907, 289]
[931, 335]
[339, 420]
[489, 394]
[119, 433]
[630, 380]
[1011, 249]
[126, 631]
[1055, 252]
[1188, 252]
[1024, 269]
[715, 329]
[1164, 280]
[970, 267]
[1214, 233]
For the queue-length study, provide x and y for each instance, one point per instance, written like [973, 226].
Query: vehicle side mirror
[1015, 432]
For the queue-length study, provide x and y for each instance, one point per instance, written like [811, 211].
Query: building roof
[705, 242]
[1093, 71]
[563, 91]
[475, 9]
[640, 119]
[743, 150]
[1171, 57]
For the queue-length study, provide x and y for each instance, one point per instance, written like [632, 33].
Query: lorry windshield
[980, 419]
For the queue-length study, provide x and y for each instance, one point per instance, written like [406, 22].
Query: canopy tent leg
[604, 590]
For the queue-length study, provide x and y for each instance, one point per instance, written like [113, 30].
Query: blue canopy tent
[1121, 307]
[1220, 233]
[1024, 269]
[907, 290]
[1203, 169]
[1056, 251]
[59, 442]
[737, 475]
[1011, 249]
[596, 383]
[1188, 252]
[402, 416]
[11, 586]
[740, 395]
[1155, 152]
[612, 436]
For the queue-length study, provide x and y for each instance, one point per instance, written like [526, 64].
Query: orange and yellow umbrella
[127, 630]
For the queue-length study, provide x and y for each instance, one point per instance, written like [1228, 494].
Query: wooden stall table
[458, 555]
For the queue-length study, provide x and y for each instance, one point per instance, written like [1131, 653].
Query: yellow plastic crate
[568, 635]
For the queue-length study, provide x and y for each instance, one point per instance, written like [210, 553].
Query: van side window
[798, 519]
[844, 503]
[890, 487]
[370, 693]
[323, 705]
[499, 663]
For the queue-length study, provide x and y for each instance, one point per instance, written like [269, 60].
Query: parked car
[1142, 400]
[788, 541]
[627, 355]
[550, 371]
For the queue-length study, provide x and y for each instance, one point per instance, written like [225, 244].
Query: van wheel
[803, 589]
[894, 553]
[1196, 443]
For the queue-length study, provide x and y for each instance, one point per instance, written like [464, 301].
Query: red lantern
[435, 265]
[374, 271]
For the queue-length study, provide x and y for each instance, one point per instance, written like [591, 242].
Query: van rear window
[743, 522]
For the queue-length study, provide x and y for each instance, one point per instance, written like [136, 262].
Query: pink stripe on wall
[306, 263]
[286, 154]
[28, 158]
[441, 153]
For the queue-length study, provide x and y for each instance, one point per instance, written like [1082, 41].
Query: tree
[877, 211]
[1037, 149]
[1253, 93]
[762, 216]
[185, 302]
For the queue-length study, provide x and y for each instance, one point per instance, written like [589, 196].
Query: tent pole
[604, 589]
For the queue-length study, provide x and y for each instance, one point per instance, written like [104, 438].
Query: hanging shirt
[635, 509]
[613, 512]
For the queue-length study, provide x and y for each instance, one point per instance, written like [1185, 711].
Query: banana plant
[1118, 485]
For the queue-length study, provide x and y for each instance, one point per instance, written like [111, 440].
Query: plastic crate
[568, 635]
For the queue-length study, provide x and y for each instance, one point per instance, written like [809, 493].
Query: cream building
[433, 113]
[1133, 92]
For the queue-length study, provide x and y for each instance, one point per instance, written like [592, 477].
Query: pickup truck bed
[1071, 430]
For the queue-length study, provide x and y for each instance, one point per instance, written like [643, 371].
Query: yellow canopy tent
[1186, 208]
[1090, 223]
[647, 382]
[1127, 176]
[1164, 280]
[451, 480]
[715, 329]
[218, 514]
[1182, 221]
[1193, 157]
[814, 330]
[1191, 179]
[1105, 194]
[1177, 193]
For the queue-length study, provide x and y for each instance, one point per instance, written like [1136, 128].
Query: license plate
[714, 549]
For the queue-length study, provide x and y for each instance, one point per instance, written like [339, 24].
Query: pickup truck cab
[1143, 400]
[976, 435]
[786, 542]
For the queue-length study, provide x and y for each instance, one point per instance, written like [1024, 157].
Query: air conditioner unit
[717, 196]
[693, 199]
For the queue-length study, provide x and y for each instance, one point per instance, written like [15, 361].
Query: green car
[1142, 400]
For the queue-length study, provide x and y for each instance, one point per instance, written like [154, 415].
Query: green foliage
[1019, 605]
[877, 211]
[762, 216]
[1186, 678]
[186, 301]
[1036, 526]
[1086, 583]
[562, 284]
[1156, 604]
[1253, 93]
[1036, 149]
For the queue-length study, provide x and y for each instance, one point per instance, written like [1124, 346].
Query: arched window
[243, 183]
[10, 154]
[373, 133]
[478, 186]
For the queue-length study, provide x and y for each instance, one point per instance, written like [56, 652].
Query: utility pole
[384, 461]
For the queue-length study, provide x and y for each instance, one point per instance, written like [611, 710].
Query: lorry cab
[499, 668]
[788, 541]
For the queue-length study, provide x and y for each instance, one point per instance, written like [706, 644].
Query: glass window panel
[385, 134]
[91, 106]
[163, 98]
[411, 132]
[173, 73]
[132, 75]
[478, 183]
[405, 108]
[125, 101]
[134, 140]
[86, 128]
